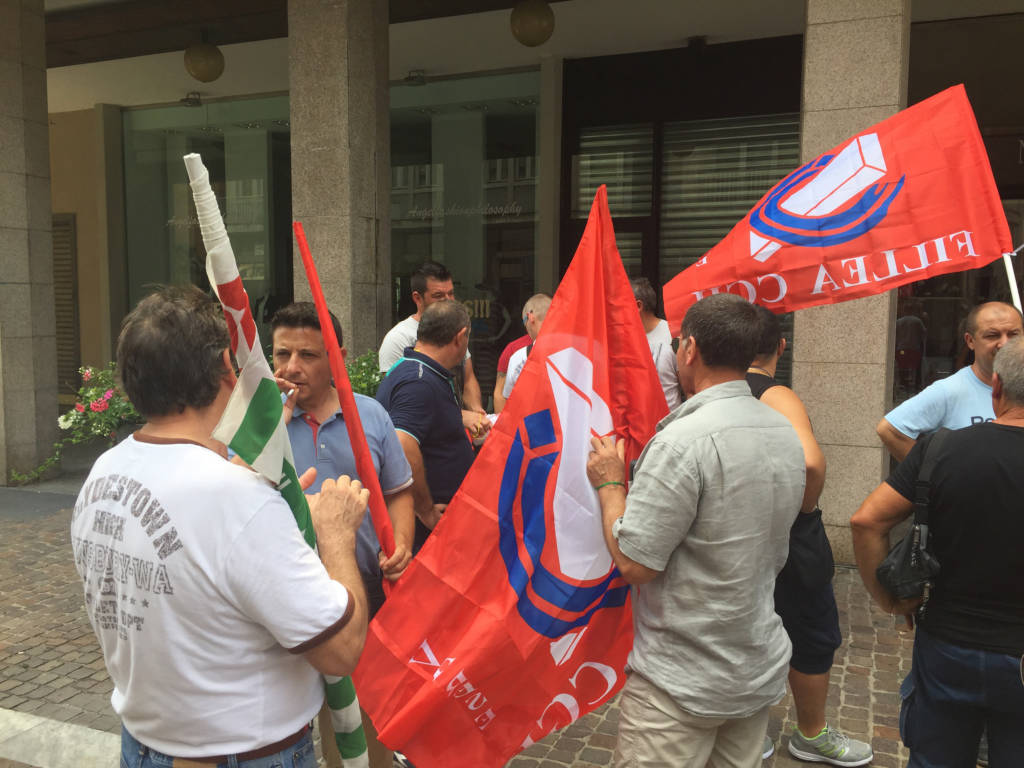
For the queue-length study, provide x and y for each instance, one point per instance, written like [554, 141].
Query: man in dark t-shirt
[420, 398]
[804, 598]
[967, 653]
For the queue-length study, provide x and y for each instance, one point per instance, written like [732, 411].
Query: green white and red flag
[253, 423]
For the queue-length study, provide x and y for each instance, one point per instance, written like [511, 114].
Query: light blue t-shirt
[328, 449]
[954, 402]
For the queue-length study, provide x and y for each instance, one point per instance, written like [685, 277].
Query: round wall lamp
[204, 61]
[532, 22]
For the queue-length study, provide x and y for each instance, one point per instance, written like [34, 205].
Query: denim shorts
[298, 755]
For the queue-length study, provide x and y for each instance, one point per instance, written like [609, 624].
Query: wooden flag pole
[356, 436]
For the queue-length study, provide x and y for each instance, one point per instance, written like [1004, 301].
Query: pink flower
[87, 374]
[99, 405]
[108, 394]
[79, 407]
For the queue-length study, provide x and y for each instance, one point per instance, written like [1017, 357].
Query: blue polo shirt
[419, 395]
[326, 446]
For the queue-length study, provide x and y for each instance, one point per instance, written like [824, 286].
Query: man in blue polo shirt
[419, 395]
[319, 438]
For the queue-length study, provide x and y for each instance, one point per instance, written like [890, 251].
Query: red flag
[512, 621]
[909, 198]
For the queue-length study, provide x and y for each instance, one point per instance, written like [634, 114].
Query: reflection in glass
[713, 173]
[463, 190]
[245, 146]
[620, 156]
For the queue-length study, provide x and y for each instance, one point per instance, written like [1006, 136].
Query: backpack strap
[923, 484]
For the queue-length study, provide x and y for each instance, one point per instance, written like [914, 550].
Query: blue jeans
[951, 694]
[299, 755]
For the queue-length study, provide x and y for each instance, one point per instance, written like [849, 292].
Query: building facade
[398, 135]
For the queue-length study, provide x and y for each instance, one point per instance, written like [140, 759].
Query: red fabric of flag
[512, 621]
[909, 198]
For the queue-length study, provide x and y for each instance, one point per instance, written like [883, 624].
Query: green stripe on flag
[296, 499]
[350, 744]
[340, 695]
[261, 419]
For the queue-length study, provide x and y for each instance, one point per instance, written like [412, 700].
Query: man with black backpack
[966, 672]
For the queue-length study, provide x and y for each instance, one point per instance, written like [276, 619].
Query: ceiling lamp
[532, 21]
[204, 61]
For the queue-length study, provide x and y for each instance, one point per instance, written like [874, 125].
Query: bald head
[987, 310]
[989, 327]
[534, 311]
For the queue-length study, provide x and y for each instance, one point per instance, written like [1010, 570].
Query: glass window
[463, 189]
[245, 145]
[621, 156]
[713, 172]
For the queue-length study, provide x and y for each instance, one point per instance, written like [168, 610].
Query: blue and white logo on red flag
[826, 202]
[512, 620]
[563, 574]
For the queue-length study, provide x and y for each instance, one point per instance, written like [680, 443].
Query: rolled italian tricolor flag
[253, 423]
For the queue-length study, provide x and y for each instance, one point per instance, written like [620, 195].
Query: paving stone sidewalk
[50, 664]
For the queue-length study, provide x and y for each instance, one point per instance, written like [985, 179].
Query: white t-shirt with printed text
[203, 594]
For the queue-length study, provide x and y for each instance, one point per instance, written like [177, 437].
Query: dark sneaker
[768, 750]
[830, 746]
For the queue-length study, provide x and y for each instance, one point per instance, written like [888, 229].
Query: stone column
[28, 349]
[855, 74]
[341, 174]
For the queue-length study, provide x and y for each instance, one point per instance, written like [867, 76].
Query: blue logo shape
[821, 231]
[551, 587]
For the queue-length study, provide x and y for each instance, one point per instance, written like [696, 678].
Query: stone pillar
[341, 170]
[855, 74]
[28, 348]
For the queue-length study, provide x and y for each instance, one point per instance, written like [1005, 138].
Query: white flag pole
[1011, 278]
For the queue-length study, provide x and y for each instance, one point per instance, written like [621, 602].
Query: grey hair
[1009, 367]
[538, 304]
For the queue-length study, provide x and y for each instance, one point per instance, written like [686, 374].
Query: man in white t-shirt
[215, 617]
[534, 311]
[429, 283]
[659, 337]
[960, 400]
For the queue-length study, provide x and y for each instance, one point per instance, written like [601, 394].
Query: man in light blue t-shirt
[959, 400]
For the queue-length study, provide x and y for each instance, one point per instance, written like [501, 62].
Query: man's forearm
[870, 548]
[499, 397]
[880, 512]
[338, 555]
[403, 516]
[422, 501]
[897, 443]
[471, 396]
[613, 505]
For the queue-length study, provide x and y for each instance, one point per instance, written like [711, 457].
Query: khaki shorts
[654, 732]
